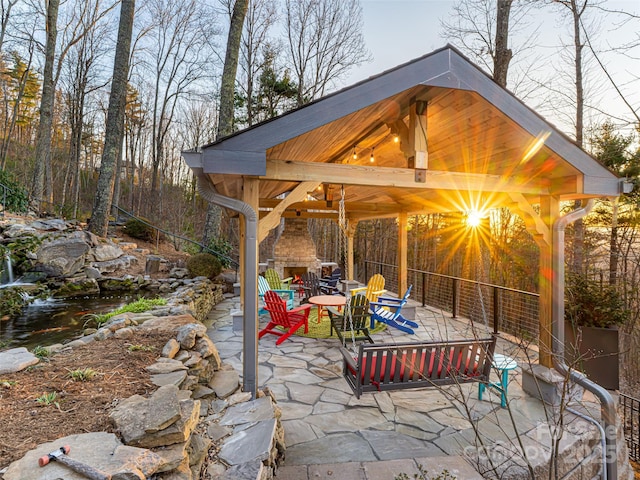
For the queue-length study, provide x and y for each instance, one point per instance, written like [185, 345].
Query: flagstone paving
[331, 434]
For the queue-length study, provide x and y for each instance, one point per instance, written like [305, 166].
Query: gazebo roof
[483, 145]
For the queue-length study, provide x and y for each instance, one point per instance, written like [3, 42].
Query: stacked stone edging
[196, 425]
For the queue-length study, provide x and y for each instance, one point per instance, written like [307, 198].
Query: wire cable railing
[511, 311]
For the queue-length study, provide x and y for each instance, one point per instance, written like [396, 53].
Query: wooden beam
[322, 206]
[289, 170]
[304, 214]
[272, 220]
[363, 217]
[534, 223]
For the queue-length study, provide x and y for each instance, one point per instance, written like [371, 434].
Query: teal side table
[502, 364]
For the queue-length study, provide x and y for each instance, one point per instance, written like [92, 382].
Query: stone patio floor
[331, 434]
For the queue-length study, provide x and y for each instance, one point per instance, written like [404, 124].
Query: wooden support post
[402, 253]
[549, 212]
[251, 196]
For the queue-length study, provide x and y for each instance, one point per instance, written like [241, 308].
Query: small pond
[45, 322]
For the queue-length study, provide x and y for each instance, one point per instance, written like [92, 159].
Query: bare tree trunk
[115, 202]
[614, 249]
[212, 224]
[502, 54]
[4, 21]
[24, 79]
[227, 90]
[227, 86]
[43, 140]
[115, 122]
[578, 227]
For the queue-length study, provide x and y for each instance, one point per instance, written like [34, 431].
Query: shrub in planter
[205, 265]
[593, 313]
[591, 304]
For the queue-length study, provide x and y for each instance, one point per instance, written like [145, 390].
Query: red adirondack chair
[290, 320]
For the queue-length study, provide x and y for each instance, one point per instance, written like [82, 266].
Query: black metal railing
[509, 310]
[631, 421]
[223, 257]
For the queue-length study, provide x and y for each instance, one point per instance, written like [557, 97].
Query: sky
[397, 31]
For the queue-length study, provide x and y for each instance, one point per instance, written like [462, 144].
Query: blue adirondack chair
[329, 285]
[387, 310]
[263, 287]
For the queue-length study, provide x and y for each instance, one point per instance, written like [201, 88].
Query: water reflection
[45, 322]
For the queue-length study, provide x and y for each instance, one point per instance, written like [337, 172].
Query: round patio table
[327, 301]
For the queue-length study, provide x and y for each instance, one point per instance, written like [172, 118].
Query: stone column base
[348, 285]
[546, 384]
[237, 316]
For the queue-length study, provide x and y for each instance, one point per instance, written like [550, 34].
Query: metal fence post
[424, 289]
[454, 295]
[497, 307]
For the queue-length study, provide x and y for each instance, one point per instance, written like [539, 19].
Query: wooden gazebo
[444, 137]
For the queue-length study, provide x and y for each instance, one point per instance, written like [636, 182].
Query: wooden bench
[396, 366]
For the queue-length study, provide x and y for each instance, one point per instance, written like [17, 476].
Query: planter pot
[595, 352]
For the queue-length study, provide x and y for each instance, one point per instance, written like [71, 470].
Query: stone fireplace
[295, 252]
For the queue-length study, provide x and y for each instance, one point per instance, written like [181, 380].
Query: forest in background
[290, 53]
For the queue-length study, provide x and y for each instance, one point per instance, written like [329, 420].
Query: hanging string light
[372, 158]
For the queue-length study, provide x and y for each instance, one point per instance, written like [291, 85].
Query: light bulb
[355, 155]
[371, 158]
[396, 139]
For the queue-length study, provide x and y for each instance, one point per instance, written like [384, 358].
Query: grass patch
[141, 348]
[139, 306]
[82, 374]
[41, 352]
[50, 398]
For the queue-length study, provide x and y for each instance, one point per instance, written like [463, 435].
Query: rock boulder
[62, 256]
[16, 359]
[100, 450]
